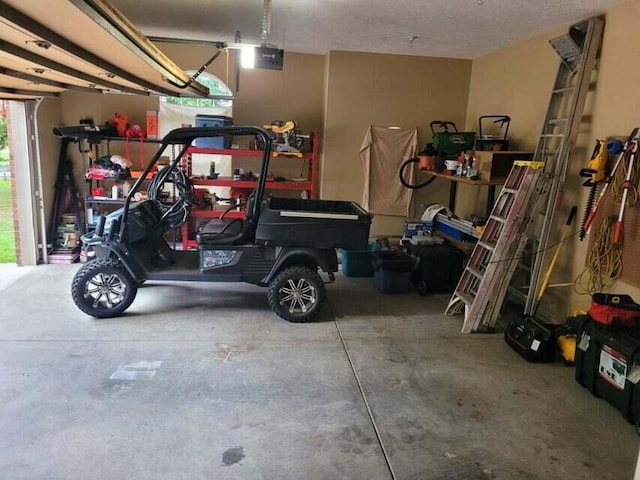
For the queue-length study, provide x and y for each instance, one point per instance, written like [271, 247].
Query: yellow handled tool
[566, 232]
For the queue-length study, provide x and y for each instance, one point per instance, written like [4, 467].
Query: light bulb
[248, 56]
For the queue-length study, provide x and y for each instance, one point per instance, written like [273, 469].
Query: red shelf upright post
[314, 164]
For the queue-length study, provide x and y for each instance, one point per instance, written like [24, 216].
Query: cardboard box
[497, 165]
[414, 228]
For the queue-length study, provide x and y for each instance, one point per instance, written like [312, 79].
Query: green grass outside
[7, 239]
[4, 156]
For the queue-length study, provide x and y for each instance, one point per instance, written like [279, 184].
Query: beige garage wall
[365, 89]
[517, 81]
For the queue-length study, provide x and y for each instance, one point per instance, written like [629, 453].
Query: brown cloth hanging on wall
[383, 151]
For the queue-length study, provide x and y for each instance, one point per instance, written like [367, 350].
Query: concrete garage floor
[204, 382]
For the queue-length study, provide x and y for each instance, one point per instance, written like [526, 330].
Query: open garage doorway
[7, 191]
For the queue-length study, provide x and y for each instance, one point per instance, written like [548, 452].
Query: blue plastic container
[357, 263]
[222, 141]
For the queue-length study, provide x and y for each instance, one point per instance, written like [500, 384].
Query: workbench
[453, 189]
[493, 167]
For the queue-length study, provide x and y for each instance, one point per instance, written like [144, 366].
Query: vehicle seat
[226, 231]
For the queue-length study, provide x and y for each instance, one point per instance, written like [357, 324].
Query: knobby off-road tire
[103, 288]
[297, 294]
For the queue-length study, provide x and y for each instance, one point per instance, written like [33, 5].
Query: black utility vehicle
[281, 244]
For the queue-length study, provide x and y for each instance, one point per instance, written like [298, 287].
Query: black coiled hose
[408, 185]
[178, 212]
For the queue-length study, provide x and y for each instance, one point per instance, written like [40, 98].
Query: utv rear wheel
[296, 294]
[103, 288]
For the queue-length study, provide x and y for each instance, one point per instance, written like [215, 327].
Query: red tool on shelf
[630, 148]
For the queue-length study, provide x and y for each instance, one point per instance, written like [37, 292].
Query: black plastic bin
[392, 271]
[438, 269]
[605, 358]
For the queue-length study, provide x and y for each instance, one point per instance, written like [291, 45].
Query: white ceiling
[444, 28]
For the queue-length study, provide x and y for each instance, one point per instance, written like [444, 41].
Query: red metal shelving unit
[250, 184]
[311, 185]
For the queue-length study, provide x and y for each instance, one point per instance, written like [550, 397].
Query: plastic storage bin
[606, 360]
[392, 271]
[221, 141]
[357, 263]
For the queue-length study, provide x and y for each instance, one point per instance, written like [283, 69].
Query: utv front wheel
[103, 288]
[296, 294]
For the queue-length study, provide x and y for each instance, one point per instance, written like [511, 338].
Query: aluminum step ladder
[483, 283]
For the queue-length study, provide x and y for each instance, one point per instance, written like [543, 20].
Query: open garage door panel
[49, 47]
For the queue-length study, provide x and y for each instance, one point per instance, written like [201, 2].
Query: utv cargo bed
[292, 222]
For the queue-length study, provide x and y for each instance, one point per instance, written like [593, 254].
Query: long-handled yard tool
[595, 173]
[631, 147]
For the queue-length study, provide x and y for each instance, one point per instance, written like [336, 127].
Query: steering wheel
[176, 213]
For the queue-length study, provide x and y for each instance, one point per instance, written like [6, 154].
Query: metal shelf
[215, 213]
[243, 152]
[230, 182]
[111, 201]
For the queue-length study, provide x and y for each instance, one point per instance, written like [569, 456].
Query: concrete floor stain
[233, 455]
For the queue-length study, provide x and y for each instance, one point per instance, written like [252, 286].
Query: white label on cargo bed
[333, 216]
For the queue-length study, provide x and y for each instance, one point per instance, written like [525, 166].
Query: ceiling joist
[105, 15]
[18, 18]
[84, 45]
[40, 80]
[58, 67]
[27, 93]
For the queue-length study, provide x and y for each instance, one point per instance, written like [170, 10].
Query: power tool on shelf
[286, 137]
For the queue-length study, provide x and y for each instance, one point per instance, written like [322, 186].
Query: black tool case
[607, 363]
[532, 339]
[392, 271]
[438, 269]
[293, 222]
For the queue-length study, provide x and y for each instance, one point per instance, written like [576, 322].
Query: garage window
[175, 112]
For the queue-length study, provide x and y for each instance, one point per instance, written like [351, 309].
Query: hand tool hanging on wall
[595, 172]
[627, 186]
[630, 147]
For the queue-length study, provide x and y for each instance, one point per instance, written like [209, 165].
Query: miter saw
[287, 139]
